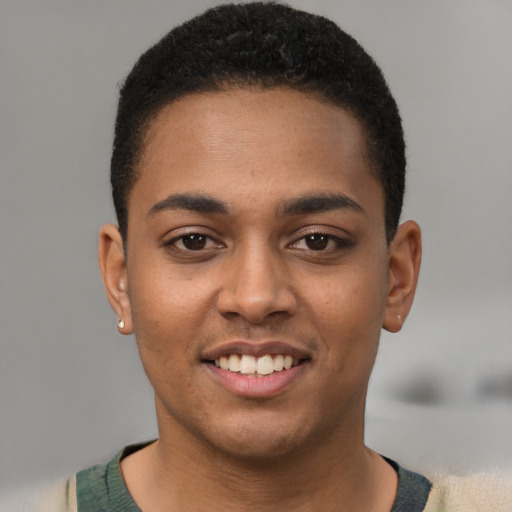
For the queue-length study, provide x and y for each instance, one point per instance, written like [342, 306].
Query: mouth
[250, 365]
[256, 370]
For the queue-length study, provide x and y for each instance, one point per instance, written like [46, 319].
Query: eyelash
[340, 243]
[206, 238]
[326, 239]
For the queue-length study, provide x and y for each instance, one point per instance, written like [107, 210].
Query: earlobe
[112, 263]
[404, 267]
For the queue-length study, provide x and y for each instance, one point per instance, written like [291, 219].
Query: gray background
[72, 391]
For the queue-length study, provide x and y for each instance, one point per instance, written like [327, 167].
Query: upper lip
[256, 349]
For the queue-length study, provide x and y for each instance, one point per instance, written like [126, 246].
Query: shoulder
[471, 493]
[57, 496]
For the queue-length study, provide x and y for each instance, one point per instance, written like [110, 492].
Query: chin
[258, 441]
[254, 450]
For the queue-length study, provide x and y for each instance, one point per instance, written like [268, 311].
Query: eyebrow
[319, 203]
[194, 202]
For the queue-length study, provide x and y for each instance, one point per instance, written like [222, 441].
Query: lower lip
[256, 387]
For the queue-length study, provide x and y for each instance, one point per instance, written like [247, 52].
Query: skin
[257, 278]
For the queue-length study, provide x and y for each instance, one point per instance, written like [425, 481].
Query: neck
[340, 470]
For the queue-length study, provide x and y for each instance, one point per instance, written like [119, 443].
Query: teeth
[250, 365]
[278, 363]
[234, 363]
[247, 364]
[265, 365]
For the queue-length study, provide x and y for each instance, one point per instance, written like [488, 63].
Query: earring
[399, 318]
[120, 325]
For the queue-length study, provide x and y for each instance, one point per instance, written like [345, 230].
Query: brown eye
[194, 241]
[317, 241]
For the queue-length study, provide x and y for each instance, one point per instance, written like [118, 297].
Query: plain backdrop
[72, 391]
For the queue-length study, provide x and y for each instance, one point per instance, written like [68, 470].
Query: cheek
[348, 312]
[160, 292]
[164, 327]
[166, 311]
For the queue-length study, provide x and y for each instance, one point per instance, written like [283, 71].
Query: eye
[193, 242]
[317, 241]
[321, 242]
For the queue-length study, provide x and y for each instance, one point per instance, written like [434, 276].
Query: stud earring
[120, 325]
[399, 318]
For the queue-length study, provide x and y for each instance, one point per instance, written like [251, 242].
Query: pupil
[194, 242]
[317, 242]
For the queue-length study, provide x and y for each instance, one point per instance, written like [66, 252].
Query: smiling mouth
[250, 365]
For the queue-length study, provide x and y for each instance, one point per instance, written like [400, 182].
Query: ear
[404, 267]
[115, 279]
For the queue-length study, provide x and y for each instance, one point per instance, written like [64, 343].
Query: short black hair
[264, 45]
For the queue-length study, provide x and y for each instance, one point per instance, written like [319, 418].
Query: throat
[157, 482]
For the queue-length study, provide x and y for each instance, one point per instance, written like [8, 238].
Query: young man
[258, 175]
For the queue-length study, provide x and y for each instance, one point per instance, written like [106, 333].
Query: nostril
[256, 307]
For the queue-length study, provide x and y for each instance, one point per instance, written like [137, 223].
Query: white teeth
[250, 365]
[234, 363]
[278, 363]
[247, 364]
[265, 365]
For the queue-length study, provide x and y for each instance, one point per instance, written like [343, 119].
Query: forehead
[278, 142]
[239, 117]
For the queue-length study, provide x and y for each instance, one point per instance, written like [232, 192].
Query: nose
[255, 286]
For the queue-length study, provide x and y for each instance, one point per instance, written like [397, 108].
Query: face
[257, 270]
